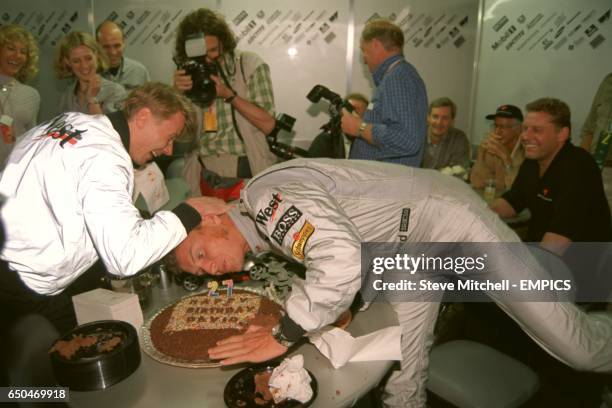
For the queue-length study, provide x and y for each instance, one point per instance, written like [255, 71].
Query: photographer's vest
[255, 143]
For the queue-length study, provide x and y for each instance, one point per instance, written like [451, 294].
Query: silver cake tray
[149, 348]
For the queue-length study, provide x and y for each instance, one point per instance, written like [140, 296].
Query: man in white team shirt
[69, 185]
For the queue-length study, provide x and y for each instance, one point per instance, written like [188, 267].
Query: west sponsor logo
[65, 132]
[284, 224]
[267, 214]
[300, 239]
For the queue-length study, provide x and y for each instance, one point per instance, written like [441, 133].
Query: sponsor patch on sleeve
[300, 239]
[284, 224]
[404, 224]
[405, 220]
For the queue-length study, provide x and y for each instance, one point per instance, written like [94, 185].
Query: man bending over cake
[319, 212]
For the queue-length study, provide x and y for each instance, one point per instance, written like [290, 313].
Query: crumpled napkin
[340, 347]
[455, 170]
[291, 380]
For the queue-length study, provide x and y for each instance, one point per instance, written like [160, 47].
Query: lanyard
[391, 67]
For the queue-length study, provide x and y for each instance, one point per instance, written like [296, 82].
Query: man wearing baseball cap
[500, 154]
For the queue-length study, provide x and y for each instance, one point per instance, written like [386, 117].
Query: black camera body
[284, 151]
[204, 91]
[335, 108]
[319, 91]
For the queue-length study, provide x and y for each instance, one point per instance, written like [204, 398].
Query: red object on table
[225, 193]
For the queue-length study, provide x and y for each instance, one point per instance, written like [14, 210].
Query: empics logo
[267, 214]
[285, 223]
[300, 240]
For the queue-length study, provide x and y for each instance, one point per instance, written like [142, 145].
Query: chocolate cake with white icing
[187, 329]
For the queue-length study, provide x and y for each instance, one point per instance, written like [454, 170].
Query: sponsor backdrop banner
[48, 21]
[149, 28]
[557, 48]
[516, 51]
[440, 40]
[304, 43]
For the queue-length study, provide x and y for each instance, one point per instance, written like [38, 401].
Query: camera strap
[233, 110]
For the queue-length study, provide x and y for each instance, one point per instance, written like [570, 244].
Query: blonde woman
[80, 57]
[19, 103]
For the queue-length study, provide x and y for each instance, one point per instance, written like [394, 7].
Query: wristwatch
[278, 336]
[229, 99]
[362, 128]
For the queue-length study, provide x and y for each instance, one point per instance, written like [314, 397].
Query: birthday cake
[187, 329]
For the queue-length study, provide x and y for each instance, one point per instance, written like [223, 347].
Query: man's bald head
[110, 37]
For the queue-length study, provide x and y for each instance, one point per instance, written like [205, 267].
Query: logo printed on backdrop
[554, 31]
[429, 30]
[268, 28]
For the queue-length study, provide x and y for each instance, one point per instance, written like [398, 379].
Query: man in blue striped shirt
[393, 128]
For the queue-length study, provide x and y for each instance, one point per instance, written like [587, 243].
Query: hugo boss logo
[285, 223]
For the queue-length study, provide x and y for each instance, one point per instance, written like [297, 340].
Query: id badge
[210, 119]
[6, 129]
[6, 120]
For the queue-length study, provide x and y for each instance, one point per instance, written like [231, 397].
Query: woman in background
[19, 103]
[80, 57]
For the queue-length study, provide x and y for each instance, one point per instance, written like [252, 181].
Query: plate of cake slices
[95, 355]
[180, 334]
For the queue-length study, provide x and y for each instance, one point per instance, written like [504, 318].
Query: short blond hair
[12, 32]
[556, 108]
[71, 41]
[163, 101]
[389, 34]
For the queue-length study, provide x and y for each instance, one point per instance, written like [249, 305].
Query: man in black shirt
[559, 183]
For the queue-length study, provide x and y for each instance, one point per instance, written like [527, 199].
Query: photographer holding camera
[237, 115]
[326, 144]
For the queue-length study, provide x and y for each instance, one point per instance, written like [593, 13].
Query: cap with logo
[507, 111]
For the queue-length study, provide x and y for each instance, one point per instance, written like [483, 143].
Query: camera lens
[203, 92]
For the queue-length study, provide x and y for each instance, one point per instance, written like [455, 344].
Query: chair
[603, 274]
[472, 375]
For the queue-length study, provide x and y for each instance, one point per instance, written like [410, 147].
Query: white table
[155, 384]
